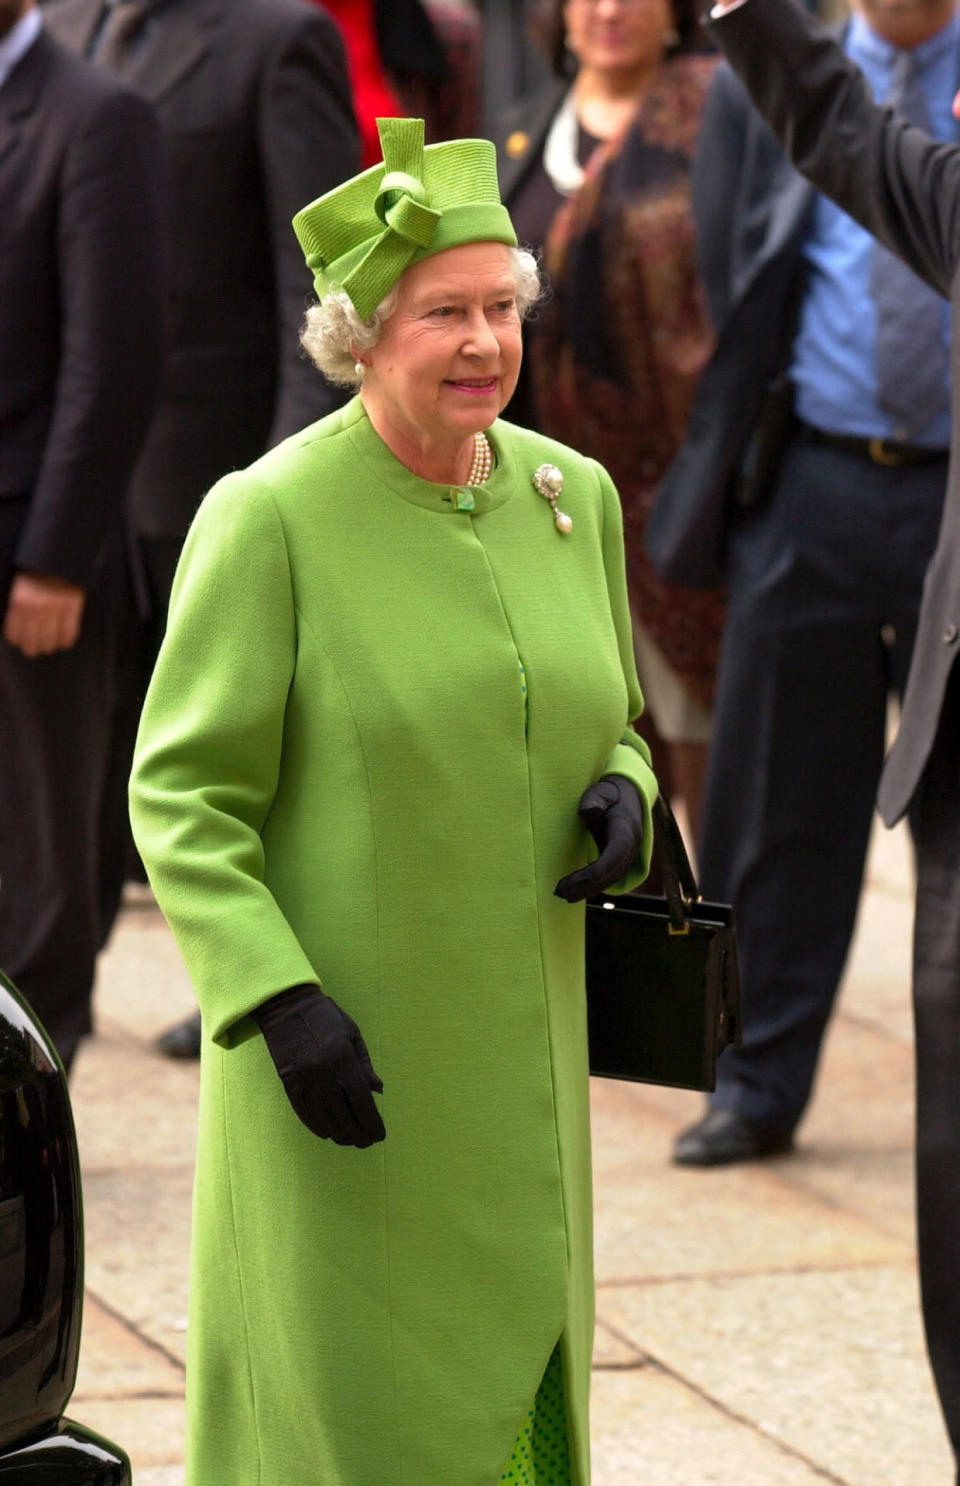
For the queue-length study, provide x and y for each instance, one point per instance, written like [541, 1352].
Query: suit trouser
[825, 586]
[54, 732]
[144, 616]
[936, 1001]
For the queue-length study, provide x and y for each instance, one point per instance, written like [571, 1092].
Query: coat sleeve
[208, 757]
[715, 184]
[630, 756]
[895, 180]
[110, 229]
[308, 144]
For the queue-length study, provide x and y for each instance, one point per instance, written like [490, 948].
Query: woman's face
[448, 358]
[617, 35]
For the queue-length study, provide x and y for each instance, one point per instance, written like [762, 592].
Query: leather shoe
[724, 1136]
[182, 1040]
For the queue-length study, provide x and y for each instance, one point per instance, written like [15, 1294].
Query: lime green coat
[339, 779]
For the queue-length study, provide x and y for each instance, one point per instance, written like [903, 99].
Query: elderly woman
[394, 665]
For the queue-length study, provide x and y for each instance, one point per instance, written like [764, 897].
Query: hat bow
[403, 205]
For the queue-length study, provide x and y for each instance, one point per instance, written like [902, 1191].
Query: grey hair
[333, 333]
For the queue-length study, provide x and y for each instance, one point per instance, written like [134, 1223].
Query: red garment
[373, 96]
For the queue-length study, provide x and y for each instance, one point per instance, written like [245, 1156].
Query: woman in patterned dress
[596, 172]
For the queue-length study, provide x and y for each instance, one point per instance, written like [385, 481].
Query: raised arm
[715, 184]
[899, 183]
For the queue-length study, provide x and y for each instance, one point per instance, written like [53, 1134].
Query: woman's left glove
[324, 1065]
[612, 811]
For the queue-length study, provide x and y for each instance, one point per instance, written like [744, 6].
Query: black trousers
[54, 733]
[824, 594]
[936, 999]
[144, 598]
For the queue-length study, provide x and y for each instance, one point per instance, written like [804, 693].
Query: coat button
[950, 634]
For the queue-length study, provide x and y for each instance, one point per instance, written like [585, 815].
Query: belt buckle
[880, 454]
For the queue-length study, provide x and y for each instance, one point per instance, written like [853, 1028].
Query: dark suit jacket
[752, 210]
[253, 99]
[81, 229]
[905, 188]
[520, 133]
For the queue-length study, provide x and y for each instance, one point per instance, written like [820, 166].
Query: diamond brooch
[548, 482]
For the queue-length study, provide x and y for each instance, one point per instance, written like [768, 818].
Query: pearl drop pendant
[548, 482]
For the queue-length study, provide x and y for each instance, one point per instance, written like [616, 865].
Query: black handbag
[663, 981]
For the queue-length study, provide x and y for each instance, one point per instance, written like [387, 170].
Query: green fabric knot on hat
[362, 235]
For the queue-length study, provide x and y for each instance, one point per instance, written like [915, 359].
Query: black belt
[878, 451]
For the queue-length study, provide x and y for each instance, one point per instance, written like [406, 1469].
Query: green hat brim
[478, 222]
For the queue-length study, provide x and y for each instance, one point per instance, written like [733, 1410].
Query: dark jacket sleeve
[899, 183]
[715, 185]
[109, 252]
[308, 143]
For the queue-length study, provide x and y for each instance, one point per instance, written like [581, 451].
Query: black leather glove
[324, 1064]
[612, 811]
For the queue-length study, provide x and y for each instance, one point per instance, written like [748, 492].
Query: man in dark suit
[254, 103]
[81, 230]
[905, 188]
[826, 572]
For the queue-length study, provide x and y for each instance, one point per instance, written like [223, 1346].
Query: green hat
[363, 234]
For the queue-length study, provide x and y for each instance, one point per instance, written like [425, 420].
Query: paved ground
[757, 1327]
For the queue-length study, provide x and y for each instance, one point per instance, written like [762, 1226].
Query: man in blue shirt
[825, 570]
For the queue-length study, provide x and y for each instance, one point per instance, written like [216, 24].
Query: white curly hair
[333, 333]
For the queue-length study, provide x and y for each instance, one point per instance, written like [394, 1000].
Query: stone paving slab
[161, 1128]
[117, 1359]
[138, 1237]
[829, 1364]
[654, 1220]
[650, 1428]
[130, 1391]
[142, 984]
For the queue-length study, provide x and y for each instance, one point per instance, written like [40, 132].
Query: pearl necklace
[482, 466]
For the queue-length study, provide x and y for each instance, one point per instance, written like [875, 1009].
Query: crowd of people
[394, 646]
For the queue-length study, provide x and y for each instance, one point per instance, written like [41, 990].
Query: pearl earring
[359, 368]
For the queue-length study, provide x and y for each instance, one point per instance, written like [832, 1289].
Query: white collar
[18, 41]
[560, 148]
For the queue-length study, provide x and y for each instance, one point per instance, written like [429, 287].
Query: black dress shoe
[724, 1136]
[181, 1040]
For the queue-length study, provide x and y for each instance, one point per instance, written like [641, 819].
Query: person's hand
[43, 614]
[612, 811]
[324, 1065]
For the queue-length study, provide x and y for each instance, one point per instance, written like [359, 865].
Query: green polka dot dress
[540, 1456]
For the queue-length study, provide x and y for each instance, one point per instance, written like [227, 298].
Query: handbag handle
[679, 884]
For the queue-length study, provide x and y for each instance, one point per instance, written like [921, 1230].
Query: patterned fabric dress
[624, 338]
[541, 1456]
